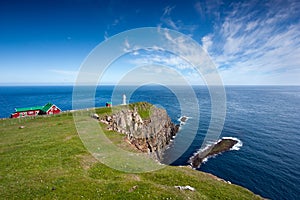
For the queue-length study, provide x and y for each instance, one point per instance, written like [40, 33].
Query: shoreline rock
[225, 144]
[183, 119]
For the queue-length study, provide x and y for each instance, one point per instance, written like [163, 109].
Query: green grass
[104, 111]
[47, 160]
[143, 108]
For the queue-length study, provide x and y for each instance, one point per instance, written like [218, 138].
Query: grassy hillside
[47, 160]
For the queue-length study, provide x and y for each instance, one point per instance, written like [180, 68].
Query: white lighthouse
[124, 99]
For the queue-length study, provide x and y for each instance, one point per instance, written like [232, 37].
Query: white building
[124, 99]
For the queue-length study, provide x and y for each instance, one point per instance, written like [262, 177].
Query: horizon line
[90, 85]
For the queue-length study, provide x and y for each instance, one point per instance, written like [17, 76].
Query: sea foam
[180, 119]
[237, 146]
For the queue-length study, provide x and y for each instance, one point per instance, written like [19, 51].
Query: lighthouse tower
[124, 99]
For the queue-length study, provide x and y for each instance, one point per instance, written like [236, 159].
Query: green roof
[46, 107]
[29, 108]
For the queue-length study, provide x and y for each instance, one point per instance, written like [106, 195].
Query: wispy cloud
[126, 46]
[168, 10]
[178, 25]
[163, 60]
[261, 42]
[208, 10]
[111, 26]
[160, 58]
[64, 72]
[106, 36]
[148, 74]
[199, 8]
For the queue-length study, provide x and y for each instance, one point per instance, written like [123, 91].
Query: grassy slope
[47, 160]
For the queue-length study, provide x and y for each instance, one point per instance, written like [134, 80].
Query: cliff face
[151, 135]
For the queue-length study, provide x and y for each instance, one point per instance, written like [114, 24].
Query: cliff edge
[147, 127]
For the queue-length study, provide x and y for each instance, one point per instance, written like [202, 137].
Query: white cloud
[171, 61]
[207, 42]
[147, 73]
[64, 72]
[126, 46]
[168, 10]
[162, 58]
[208, 9]
[191, 51]
[259, 49]
[199, 8]
[177, 25]
[135, 53]
[126, 43]
[252, 25]
[116, 22]
[111, 26]
[106, 35]
[171, 49]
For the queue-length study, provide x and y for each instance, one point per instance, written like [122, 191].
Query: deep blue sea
[265, 118]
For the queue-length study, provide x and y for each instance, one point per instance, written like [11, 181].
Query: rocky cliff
[150, 134]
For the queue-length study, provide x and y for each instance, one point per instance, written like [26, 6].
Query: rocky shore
[150, 130]
[222, 145]
[150, 134]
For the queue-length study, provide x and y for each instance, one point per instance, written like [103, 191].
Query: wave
[237, 146]
[205, 160]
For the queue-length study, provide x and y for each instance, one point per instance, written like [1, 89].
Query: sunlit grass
[47, 160]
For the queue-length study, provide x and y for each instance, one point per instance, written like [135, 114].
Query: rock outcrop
[221, 146]
[151, 134]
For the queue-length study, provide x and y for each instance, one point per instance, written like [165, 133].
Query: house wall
[53, 110]
[15, 115]
[25, 113]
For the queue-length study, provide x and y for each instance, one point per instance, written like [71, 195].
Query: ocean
[265, 118]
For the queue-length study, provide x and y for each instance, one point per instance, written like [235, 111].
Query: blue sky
[250, 42]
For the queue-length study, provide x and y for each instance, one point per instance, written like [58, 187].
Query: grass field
[47, 160]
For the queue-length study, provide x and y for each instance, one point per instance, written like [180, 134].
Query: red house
[48, 109]
[108, 104]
